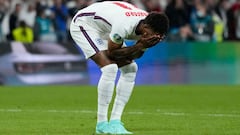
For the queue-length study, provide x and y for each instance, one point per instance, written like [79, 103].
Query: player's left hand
[150, 41]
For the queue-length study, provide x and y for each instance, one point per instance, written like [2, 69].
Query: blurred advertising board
[40, 64]
[186, 63]
[166, 63]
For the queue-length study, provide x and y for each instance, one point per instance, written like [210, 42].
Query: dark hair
[158, 22]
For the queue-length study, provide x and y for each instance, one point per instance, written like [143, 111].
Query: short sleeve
[118, 34]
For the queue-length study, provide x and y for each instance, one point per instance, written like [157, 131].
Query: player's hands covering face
[150, 41]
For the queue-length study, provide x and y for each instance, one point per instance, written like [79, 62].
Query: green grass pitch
[152, 110]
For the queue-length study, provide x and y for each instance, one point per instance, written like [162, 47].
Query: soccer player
[100, 30]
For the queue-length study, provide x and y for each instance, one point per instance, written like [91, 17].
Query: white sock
[124, 90]
[105, 90]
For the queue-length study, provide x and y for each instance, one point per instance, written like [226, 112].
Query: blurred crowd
[190, 20]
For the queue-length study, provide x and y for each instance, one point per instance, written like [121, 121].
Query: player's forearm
[125, 52]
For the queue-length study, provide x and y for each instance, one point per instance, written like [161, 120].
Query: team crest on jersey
[99, 41]
[117, 38]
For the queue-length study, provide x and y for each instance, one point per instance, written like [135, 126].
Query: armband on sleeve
[116, 38]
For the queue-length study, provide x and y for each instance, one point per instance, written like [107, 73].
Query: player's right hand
[149, 41]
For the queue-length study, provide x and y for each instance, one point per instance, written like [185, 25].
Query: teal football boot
[116, 127]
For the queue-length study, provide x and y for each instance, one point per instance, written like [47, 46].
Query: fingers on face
[154, 40]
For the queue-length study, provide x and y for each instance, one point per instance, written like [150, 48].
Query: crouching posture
[100, 30]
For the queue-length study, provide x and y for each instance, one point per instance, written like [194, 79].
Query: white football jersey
[116, 19]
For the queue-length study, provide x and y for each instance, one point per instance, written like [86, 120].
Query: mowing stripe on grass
[133, 113]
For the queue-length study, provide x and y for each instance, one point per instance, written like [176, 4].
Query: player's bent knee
[109, 72]
[130, 68]
[110, 68]
[128, 72]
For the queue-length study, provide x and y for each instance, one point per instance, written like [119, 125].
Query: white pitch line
[10, 110]
[174, 114]
[158, 112]
[221, 115]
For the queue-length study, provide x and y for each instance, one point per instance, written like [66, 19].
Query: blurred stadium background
[203, 47]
